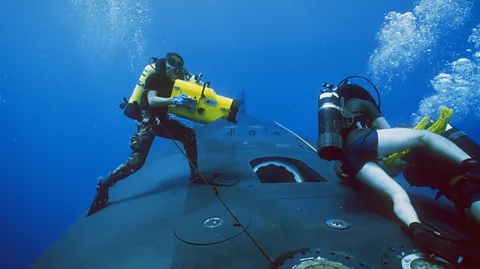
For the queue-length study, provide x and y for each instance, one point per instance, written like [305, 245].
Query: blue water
[66, 65]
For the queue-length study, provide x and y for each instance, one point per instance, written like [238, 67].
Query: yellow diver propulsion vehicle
[204, 105]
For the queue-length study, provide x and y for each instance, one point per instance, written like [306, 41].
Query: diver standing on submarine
[150, 110]
[352, 130]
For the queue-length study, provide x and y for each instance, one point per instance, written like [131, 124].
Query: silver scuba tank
[330, 120]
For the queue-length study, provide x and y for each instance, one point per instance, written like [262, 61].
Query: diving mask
[177, 71]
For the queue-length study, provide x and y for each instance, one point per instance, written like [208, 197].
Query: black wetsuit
[361, 141]
[156, 122]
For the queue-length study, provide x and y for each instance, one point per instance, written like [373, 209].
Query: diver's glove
[180, 100]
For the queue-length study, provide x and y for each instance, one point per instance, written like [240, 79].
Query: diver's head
[350, 90]
[174, 66]
[350, 87]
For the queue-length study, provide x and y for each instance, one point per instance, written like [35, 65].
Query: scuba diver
[150, 110]
[353, 131]
[421, 168]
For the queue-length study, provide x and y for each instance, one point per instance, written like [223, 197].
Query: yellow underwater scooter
[204, 105]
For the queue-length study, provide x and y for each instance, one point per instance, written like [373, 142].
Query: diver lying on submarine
[422, 168]
[349, 113]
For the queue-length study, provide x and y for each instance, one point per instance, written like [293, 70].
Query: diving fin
[456, 252]
[101, 198]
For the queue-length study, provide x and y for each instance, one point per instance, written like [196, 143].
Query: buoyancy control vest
[134, 106]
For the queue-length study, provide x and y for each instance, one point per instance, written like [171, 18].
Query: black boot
[195, 178]
[455, 252]
[101, 197]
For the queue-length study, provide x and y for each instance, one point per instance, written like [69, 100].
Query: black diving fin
[461, 254]
[101, 198]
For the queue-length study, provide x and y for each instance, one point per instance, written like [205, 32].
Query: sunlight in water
[405, 38]
[108, 26]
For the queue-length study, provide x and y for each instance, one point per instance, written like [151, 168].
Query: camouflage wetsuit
[156, 123]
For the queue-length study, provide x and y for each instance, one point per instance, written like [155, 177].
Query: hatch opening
[284, 170]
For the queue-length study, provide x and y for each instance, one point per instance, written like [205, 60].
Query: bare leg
[475, 210]
[400, 139]
[374, 176]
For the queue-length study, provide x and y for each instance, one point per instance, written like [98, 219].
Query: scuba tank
[333, 117]
[132, 107]
[204, 105]
[330, 122]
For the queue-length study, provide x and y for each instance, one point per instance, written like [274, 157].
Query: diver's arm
[379, 121]
[156, 101]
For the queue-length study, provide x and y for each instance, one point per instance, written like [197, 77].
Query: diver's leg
[140, 143]
[424, 236]
[370, 173]
[400, 139]
[375, 177]
[475, 211]
[473, 201]
[173, 129]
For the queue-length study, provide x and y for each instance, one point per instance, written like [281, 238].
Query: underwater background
[66, 66]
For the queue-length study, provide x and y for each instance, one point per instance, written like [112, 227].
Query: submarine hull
[268, 202]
